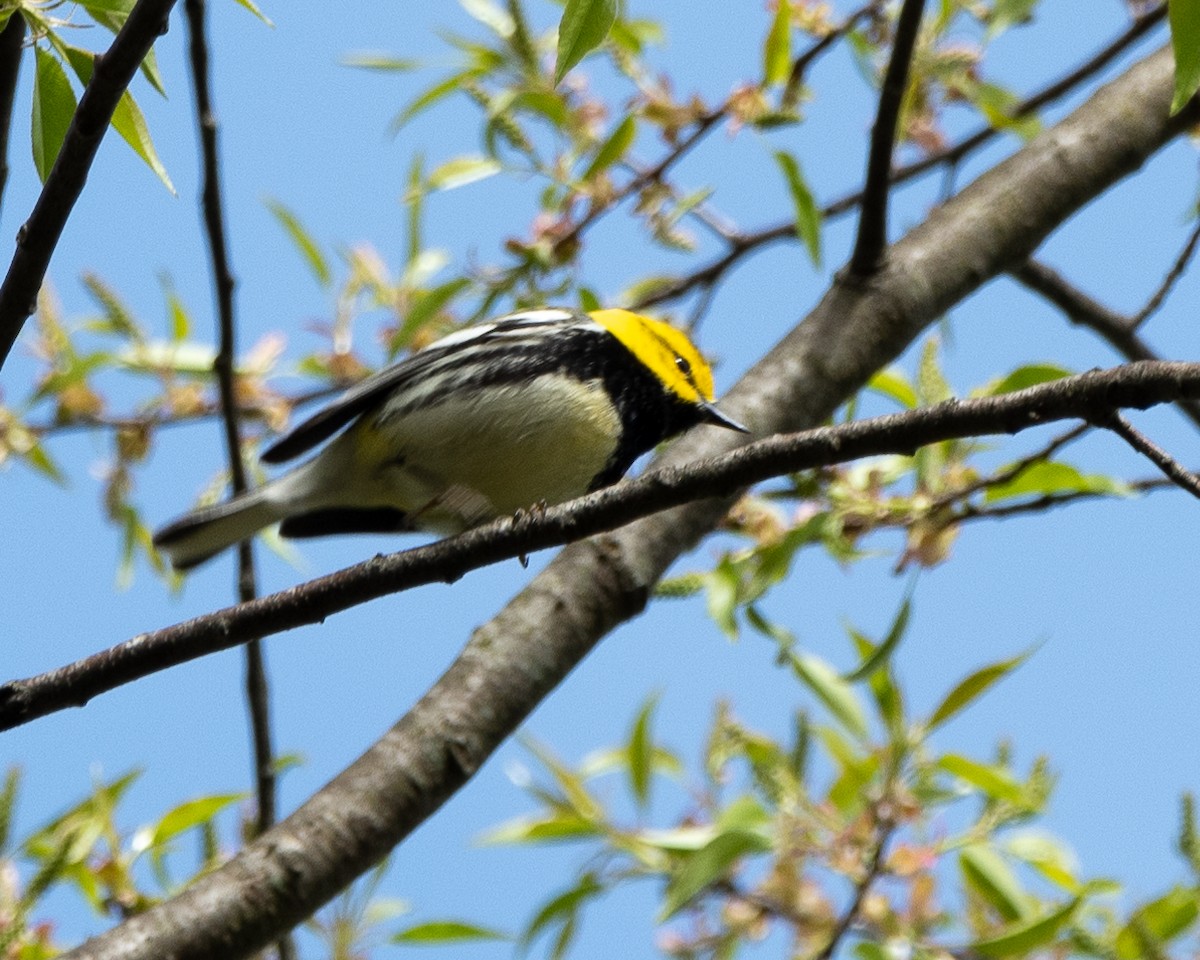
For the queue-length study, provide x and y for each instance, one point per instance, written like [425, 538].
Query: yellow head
[665, 351]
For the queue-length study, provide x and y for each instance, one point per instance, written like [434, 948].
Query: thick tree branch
[519, 656]
[872, 224]
[1094, 396]
[12, 41]
[1080, 309]
[39, 235]
[257, 691]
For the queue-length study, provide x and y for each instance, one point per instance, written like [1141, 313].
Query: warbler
[535, 407]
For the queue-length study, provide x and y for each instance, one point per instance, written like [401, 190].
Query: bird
[533, 408]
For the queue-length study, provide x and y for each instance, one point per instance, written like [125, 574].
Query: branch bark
[39, 235]
[12, 42]
[520, 655]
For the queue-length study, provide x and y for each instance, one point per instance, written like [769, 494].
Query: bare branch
[872, 223]
[862, 887]
[12, 40]
[1172, 469]
[1083, 310]
[38, 237]
[1090, 396]
[257, 689]
[1168, 283]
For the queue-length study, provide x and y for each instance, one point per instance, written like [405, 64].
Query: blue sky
[1106, 590]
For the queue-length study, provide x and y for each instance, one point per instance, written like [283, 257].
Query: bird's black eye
[683, 366]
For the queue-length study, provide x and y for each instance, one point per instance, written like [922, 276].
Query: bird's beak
[711, 414]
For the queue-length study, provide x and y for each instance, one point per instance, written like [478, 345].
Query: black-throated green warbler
[535, 407]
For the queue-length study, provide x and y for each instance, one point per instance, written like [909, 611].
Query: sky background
[1106, 590]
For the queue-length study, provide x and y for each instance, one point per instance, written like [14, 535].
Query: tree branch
[872, 223]
[1084, 311]
[39, 235]
[1172, 469]
[1093, 396]
[12, 41]
[257, 690]
[520, 655]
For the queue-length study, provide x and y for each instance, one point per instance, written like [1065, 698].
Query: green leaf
[894, 384]
[777, 50]
[128, 121]
[562, 909]
[384, 62]
[1162, 920]
[37, 457]
[994, 781]
[491, 16]
[186, 816]
[985, 872]
[804, 206]
[721, 597]
[53, 108]
[436, 932]
[459, 171]
[641, 753]
[555, 828]
[1052, 477]
[1029, 375]
[253, 8]
[932, 386]
[8, 803]
[1048, 856]
[879, 657]
[423, 101]
[584, 26]
[1026, 936]
[303, 242]
[971, 687]
[707, 865]
[1185, 39]
[832, 691]
[612, 149]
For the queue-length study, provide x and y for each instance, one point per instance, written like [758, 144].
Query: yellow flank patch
[666, 351]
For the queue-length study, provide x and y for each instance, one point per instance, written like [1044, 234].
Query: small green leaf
[1185, 39]
[1029, 375]
[1162, 920]
[128, 121]
[723, 584]
[254, 9]
[555, 828]
[707, 865]
[53, 108]
[562, 909]
[1026, 936]
[460, 171]
[932, 386]
[1052, 477]
[37, 457]
[804, 206]
[1048, 856]
[303, 242]
[995, 782]
[491, 16]
[8, 803]
[985, 872]
[612, 149]
[880, 655]
[436, 932]
[777, 50]
[584, 26]
[187, 815]
[425, 100]
[641, 753]
[894, 384]
[832, 691]
[383, 62]
[971, 687]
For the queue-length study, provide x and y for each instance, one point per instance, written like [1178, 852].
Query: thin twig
[12, 40]
[1085, 311]
[257, 690]
[872, 225]
[1168, 284]
[861, 888]
[1088, 396]
[805, 60]
[750, 241]
[38, 237]
[1172, 469]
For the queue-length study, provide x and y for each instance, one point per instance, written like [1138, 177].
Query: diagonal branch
[1080, 309]
[39, 235]
[1093, 396]
[1172, 469]
[519, 656]
[872, 223]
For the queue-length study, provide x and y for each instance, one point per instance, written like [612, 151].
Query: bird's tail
[202, 534]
